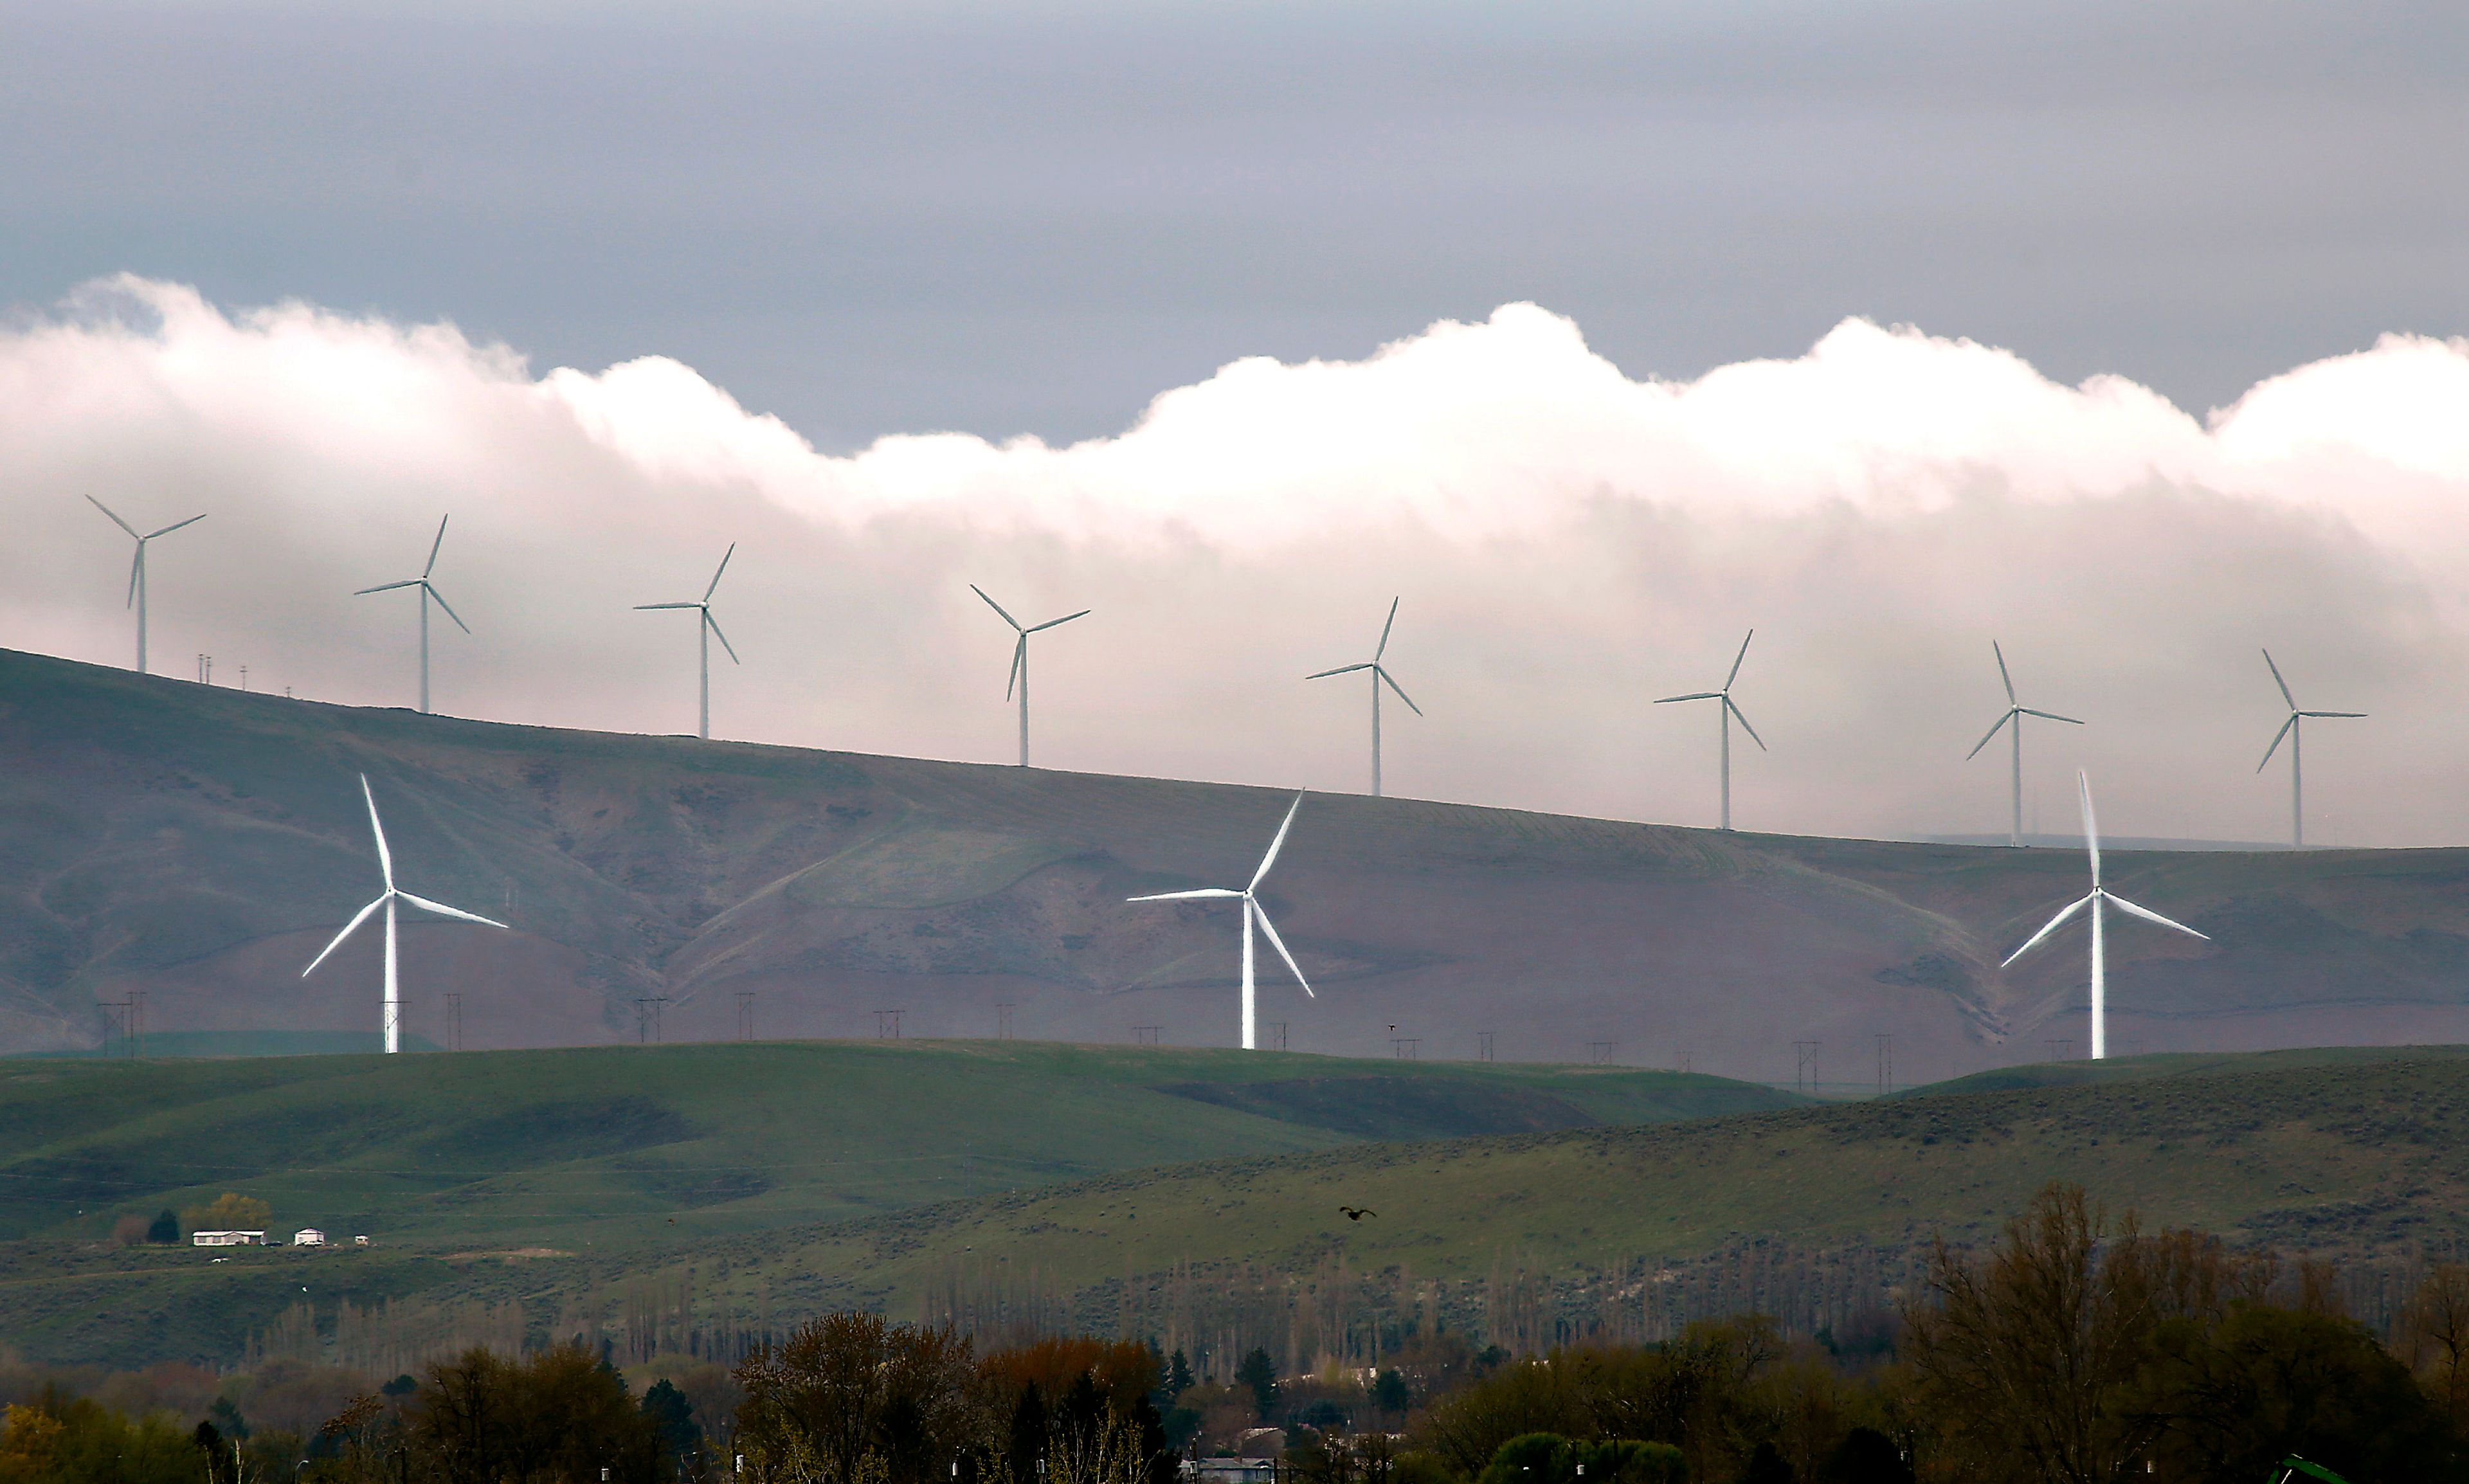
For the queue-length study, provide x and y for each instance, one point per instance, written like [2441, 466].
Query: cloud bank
[1570, 541]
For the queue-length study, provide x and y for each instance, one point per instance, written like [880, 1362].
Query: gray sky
[1012, 220]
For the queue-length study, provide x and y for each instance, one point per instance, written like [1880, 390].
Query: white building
[227, 1238]
[308, 1237]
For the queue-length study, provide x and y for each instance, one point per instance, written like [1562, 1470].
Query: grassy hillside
[195, 846]
[615, 1145]
[1808, 1212]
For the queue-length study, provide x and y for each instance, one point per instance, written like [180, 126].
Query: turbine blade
[136, 566]
[2354, 715]
[2278, 681]
[722, 637]
[442, 603]
[2054, 923]
[717, 570]
[1385, 628]
[1066, 619]
[1276, 845]
[348, 929]
[386, 857]
[1694, 695]
[638, 608]
[388, 587]
[1186, 897]
[115, 518]
[2276, 741]
[996, 607]
[1742, 717]
[2149, 916]
[443, 911]
[1019, 663]
[1279, 944]
[434, 546]
[1736, 659]
[1343, 669]
[2008, 679]
[2091, 826]
[175, 525]
[2049, 715]
[1383, 674]
[1991, 736]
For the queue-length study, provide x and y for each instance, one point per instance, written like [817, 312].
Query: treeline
[2076, 1350]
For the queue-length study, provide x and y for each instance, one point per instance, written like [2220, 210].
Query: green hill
[555, 1204]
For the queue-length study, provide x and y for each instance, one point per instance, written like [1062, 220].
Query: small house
[308, 1237]
[227, 1238]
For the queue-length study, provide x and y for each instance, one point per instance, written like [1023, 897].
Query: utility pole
[1804, 1067]
[1483, 1045]
[745, 1014]
[1276, 1030]
[1147, 1035]
[886, 1024]
[1002, 1022]
[455, 1021]
[1885, 1065]
[647, 1014]
[1600, 1052]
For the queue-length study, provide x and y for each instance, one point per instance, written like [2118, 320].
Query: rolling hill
[693, 1198]
[190, 847]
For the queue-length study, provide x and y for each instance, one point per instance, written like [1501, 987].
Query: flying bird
[1355, 1212]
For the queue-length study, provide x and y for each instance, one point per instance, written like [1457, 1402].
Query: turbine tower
[2095, 900]
[137, 568]
[1380, 676]
[706, 629]
[427, 591]
[1020, 661]
[387, 899]
[2016, 711]
[1252, 913]
[2295, 733]
[1724, 713]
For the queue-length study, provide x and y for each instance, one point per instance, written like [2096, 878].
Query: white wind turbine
[137, 568]
[2095, 900]
[706, 628]
[1020, 659]
[2295, 733]
[2016, 711]
[427, 591]
[387, 899]
[1380, 676]
[1252, 913]
[1725, 712]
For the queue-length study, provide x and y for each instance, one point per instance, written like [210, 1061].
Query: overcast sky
[1141, 263]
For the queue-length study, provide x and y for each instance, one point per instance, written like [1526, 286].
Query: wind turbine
[1379, 676]
[137, 568]
[704, 632]
[1725, 712]
[1252, 913]
[2016, 711]
[2095, 900]
[387, 899]
[1020, 661]
[2296, 735]
[427, 591]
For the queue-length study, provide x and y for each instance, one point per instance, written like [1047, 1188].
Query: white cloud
[1570, 541]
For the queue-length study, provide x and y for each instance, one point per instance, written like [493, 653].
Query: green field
[608, 1145]
[1137, 1188]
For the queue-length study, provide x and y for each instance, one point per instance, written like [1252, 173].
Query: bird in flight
[1355, 1212]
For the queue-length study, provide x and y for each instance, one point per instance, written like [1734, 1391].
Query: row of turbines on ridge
[1015, 686]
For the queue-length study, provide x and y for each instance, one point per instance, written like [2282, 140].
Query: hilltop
[196, 846]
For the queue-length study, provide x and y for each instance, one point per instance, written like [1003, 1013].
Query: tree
[1178, 1376]
[560, 1414]
[850, 1397]
[2023, 1361]
[672, 1416]
[1865, 1456]
[1388, 1392]
[165, 1230]
[1259, 1373]
[230, 1212]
